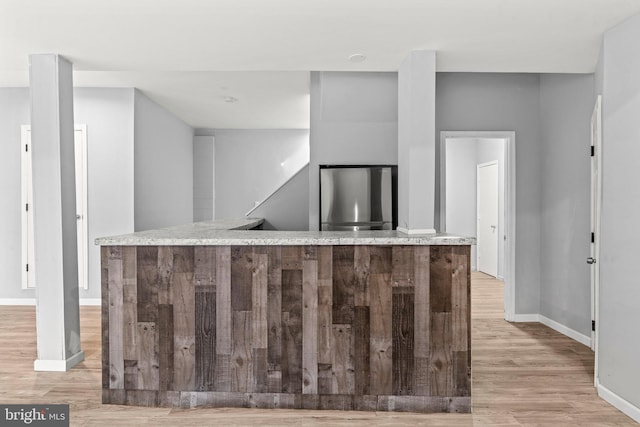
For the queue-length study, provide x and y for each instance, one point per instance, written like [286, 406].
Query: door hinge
[593, 237]
[593, 150]
[593, 325]
[27, 268]
[26, 207]
[26, 147]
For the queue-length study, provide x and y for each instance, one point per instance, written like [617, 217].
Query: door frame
[478, 167]
[596, 206]
[28, 280]
[509, 205]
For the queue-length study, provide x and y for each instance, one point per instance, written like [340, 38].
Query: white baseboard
[58, 365]
[32, 301]
[526, 318]
[619, 403]
[416, 230]
[575, 335]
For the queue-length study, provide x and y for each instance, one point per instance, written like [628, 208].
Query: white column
[54, 214]
[417, 142]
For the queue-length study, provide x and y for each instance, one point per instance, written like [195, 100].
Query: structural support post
[417, 143]
[54, 214]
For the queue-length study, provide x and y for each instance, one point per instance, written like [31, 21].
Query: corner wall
[163, 155]
[566, 103]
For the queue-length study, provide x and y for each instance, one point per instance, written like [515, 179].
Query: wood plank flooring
[523, 374]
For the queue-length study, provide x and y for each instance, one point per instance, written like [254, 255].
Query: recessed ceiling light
[230, 99]
[357, 57]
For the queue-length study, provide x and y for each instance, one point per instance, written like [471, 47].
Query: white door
[596, 185]
[28, 255]
[487, 218]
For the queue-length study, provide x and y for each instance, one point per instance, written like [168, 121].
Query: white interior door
[28, 254]
[596, 185]
[487, 218]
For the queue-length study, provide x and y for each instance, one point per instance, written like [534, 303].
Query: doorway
[460, 155]
[28, 254]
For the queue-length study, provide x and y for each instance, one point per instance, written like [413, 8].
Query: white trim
[81, 150]
[618, 402]
[558, 327]
[509, 206]
[58, 365]
[32, 301]
[571, 333]
[596, 207]
[17, 301]
[416, 230]
[525, 318]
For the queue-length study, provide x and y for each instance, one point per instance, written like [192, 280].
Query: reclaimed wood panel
[343, 284]
[342, 366]
[318, 327]
[361, 351]
[165, 346]
[116, 319]
[274, 319]
[223, 319]
[147, 358]
[205, 334]
[310, 323]
[402, 265]
[183, 297]
[381, 321]
[147, 283]
[422, 316]
[291, 360]
[402, 332]
[241, 363]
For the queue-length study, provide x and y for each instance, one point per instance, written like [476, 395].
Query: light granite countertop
[236, 232]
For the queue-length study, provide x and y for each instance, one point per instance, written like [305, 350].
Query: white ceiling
[189, 55]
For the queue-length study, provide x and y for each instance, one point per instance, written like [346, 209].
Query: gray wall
[566, 103]
[287, 209]
[503, 102]
[108, 114]
[163, 155]
[619, 370]
[354, 120]
[252, 164]
[203, 161]
[14, 112]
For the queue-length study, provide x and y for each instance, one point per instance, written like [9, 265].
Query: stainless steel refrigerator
[358, 198]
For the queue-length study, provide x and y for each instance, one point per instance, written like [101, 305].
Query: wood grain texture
[523, 374]
[403, 341]
[317, 327]
[343, 284]
[310, 323]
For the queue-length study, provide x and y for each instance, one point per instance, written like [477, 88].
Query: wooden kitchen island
[195, 316]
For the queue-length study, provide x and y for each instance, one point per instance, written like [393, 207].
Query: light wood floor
[523, 374]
